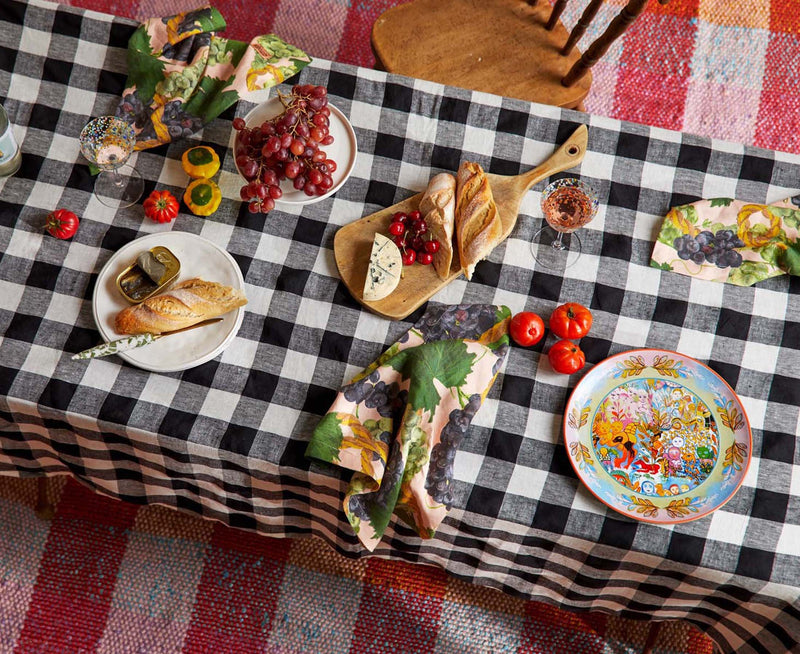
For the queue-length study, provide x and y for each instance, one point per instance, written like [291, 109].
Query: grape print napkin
[181, 74]
[732, 241]
[399, 422]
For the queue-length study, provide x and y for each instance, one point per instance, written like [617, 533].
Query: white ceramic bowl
[342, 150]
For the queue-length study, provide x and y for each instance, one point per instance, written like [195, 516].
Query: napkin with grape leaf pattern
[732, 241]
[399, 422]
[181, 74]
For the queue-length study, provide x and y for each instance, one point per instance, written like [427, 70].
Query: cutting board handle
[569, 155]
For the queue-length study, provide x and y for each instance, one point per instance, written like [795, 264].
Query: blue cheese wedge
[385, 266]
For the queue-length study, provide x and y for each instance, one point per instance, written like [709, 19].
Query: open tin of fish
[150, 274]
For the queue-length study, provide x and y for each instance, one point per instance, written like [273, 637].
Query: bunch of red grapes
[408, 232]
[286, 147]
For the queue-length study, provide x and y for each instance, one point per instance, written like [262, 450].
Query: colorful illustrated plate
[657, 436]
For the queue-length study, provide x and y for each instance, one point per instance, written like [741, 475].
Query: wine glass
[107, 142]
[567, 205]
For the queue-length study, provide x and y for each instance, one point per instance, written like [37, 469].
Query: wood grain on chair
[511, 48]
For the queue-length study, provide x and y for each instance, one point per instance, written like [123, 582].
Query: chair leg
[44, 509]
[652, 637]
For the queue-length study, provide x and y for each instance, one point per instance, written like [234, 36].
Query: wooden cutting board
[353, 242]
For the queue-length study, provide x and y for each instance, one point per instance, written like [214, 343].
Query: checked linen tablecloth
[226, 439]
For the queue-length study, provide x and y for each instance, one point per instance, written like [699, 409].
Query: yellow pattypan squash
[200, 161]
[202, 197]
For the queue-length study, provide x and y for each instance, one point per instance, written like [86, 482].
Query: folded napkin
[727, 240]
[399, 422]
[181, 74]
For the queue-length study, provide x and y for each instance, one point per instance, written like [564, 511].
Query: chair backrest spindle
[558, 9]
[581, 26]
[602, 43]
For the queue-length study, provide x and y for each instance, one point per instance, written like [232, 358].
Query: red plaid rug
[113, 578]
[712, 67]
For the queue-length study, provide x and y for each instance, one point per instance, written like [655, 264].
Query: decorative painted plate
[657, 436]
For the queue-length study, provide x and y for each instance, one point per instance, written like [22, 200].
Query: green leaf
[503, 312]
[326, 441]
[690, 213]
[145, 70]
[721, 202]
[207, 101]
[772, 253]
[669, 232]
[789, 261]
[447, 361]
[751, 272]
[660, 266]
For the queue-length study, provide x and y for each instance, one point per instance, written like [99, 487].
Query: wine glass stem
[557, 243]
[118, 179]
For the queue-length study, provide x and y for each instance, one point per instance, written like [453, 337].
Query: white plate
[342, 150]
[199, 257]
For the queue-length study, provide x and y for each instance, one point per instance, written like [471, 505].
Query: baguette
[438, 207]
[478, 225]
[184, 305]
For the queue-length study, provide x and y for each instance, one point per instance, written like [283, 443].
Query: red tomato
[571, 320]
[526, 328]
[161, 206]
[566, 357]
[62, 223]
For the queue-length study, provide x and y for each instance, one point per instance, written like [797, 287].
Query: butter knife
[131, 342]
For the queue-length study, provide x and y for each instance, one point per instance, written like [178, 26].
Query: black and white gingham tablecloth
[226, 439]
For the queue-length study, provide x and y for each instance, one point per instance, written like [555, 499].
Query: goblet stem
[116, 179]
[557, 243]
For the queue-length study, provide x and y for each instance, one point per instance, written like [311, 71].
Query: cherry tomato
[566, 357]
[571, 320]
[62, 223]
[162, 206]
[526, 328]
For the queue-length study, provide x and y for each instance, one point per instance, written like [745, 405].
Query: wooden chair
[511, 48]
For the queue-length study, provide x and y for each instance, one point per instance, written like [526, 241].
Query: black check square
[120, 32]
[728, 371]
[44, 117]
[632, 146]
[608, 299]
[58, 394]
[260, 385]
[389, 146]
[622, 195]
[733, 324]
[694, 157]
[117, 409]
[485, 501]
[755, 563]
[545, 286]
[454, 110]
[778, 446]
[341, 84]
[618, 533]
[550, 517]
[504, 445]
[335, 346]
[500, 166]
[380, 193]
[43, 275]
[511, 121]
[309, 231]
[770, 505]
[397, 96]
[517, 390]
[177, 423]
[445, 158]
[670, 311]
[757, 169]
[318, 400]
[56, 70]
[67, 23]
[292, 280]
[23, 327]
[686, 548]
[238, 439]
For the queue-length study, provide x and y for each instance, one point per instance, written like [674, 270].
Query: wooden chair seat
[511, 48]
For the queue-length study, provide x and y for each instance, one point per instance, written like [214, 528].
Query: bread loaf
[184, 305]
[438, 207]
[478, 225]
